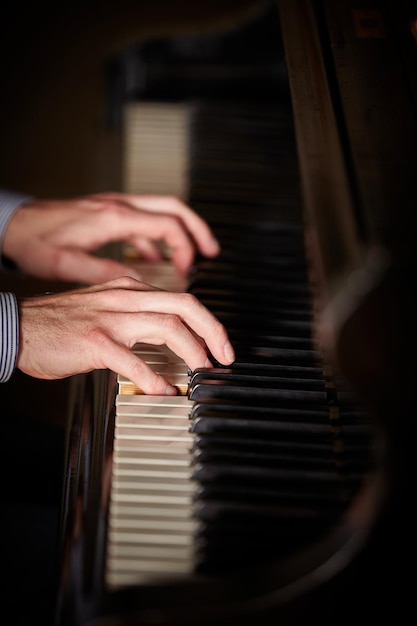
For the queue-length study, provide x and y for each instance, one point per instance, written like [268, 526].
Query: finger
[173, 308]
[198, 228]
[148, 249]
[121, 223]
[170, 231]
[156, 329]
[120, 359]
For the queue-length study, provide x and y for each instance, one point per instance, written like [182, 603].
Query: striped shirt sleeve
[9, 335]
[10, 201]
[9, 315]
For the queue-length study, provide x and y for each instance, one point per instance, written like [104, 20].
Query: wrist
[10, 203]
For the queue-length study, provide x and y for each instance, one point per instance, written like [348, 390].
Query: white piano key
[168, 370]
[179, 424]
[156, 361]
[132, 411]
[158, 427]
[169, 373]
[166, 438]
[155, 457]
[127, 497]
[180, 381]
[160, 350]
[135, 463]
[153, 401]
[129, 464]
[156, 511]
[145, 571]
[174, 539]
[157, 564]
[130, 449]
[138, 460]
[135, 472]
[156, 526]
[140, 420]
[182, 444]
[128, 551]
[128, 485]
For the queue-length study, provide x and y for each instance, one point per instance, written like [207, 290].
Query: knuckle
[176, 202]
[172, 322]
[150, 381]
[137, 369]
[58, 260]
[111, 209]
[124, 282]
[172, 199]
[98, 338]
[170, 222]
[218, 327]
[188, 301]
[153, 385]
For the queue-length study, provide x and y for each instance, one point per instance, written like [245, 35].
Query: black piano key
[288, 458]
[268, 311]
[258, 532]
[266, 298]
[263, 353]
[265, 410]
[260, 353]
[252, 474]
[233, 234]
[297, 371]
[260, 428]
[255, 494]
[259, 445]
[257, 377]
[211, 388]
[234, 323]
[255, 416]
[225, 263]
[253, 278]
[349, 445]
[253, 286]
[278, 341]
[212, 510]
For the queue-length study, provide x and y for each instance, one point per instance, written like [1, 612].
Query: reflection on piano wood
[261, 482]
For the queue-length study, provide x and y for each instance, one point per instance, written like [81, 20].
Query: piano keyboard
[254, 462]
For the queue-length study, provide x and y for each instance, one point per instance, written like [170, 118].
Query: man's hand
[96, 327]
[53, 239]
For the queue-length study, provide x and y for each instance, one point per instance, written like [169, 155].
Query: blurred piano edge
[356, 136]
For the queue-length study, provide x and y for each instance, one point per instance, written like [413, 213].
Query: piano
[277, 490]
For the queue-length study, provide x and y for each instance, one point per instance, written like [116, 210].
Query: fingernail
[170, 390]
[229, 353]
[216, 243]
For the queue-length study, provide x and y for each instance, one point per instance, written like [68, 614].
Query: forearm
[9, 335]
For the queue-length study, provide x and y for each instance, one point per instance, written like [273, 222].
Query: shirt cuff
[9, 335]
[10, 201]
